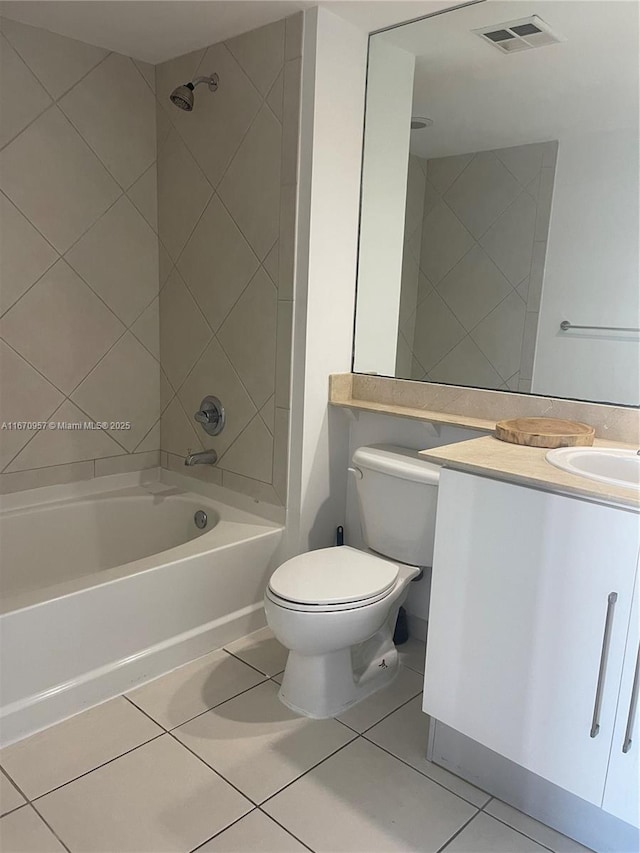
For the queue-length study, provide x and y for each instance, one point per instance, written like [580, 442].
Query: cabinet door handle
[606, 639]
[633, 707]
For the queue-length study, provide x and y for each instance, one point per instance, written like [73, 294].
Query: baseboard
[529, 793]
[42, 710]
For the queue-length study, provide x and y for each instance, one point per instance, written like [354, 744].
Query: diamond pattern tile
[248, 336]
[523, 161]
[509, 242]
[57, 61]
[147, 328]
[55, 179]
[474, 287]
[177, 433]
[466, 365]
[444, 241]
[251, 454]
[251, 187]
[260, 54]
[275, 96]
[443, 171]
[61, 327]
[24, 254]
[214, 131]
[437, 331]
[217, 270]
[17, 112]
[214, 373]
[60, 446]
[184, 332]
[114, 392]
[500, 335]
[183, 193]
[144, 194]
[114, 110]
[118, 258]
[482, 192]
[24, 395]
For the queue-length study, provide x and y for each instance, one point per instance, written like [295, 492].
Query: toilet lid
[333, 576]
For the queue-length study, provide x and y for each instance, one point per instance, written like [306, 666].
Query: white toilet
[335, 609]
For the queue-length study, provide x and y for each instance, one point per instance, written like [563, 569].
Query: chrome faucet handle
[211, 415]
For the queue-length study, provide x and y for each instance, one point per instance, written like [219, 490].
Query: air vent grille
[523, 34]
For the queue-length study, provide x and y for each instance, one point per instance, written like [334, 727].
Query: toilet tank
[397, 494]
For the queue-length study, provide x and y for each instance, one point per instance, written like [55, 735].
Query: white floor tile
[404, 733]
[363, 800]
[260, 650]
[371, 710]
[61, 753]
[191, 689]
[255, 833]
[412, 654]
[23, 831]
[10, 797]
[258, 744]
[534, 829]
[486, 835]
[157, 798]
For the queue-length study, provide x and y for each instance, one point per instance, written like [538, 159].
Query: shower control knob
[211, 415]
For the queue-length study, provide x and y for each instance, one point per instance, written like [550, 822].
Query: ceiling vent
[524, 34]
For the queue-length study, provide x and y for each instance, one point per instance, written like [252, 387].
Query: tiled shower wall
[475, 263]
[227, 176]
[79, 262]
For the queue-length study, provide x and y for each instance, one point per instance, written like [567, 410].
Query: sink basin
[616, 467]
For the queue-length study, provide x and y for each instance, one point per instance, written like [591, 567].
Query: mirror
[500, 201]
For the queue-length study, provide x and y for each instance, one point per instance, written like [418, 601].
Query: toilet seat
[339, 578]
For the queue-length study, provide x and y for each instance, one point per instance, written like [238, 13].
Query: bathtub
[108, 583]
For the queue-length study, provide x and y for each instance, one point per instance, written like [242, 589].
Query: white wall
[334, 61]
[591, 273]
[384, 193]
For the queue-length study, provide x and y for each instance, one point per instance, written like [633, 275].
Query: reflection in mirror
[500, 198]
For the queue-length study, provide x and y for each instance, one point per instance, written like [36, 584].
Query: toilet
[335, 609]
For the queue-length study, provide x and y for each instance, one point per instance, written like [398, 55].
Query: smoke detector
[523, 34]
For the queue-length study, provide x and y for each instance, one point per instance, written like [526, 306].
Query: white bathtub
[108, 583]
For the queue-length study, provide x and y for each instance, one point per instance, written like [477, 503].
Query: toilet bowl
[335, 609]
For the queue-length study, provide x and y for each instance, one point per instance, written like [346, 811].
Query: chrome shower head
[182, 96]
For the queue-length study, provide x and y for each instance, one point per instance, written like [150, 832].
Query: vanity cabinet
[529, 630]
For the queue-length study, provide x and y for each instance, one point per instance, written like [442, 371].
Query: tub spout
[204, 457]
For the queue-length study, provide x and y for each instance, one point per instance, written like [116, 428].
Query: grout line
[97, 767]
[220, 831]
[51, 829]
[259, 671]
[15, 785]
[288, 831]
[426, 775]
[410, 699]
[457, 833]
[519, 831]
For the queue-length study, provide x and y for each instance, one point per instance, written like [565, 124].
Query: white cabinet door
[522, 584]
[622, 788]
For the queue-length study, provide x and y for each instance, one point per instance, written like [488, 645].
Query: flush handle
[357, 473]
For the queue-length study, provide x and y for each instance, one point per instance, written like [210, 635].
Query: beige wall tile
[127, 463]
[144, 194]
[260, 53]
[118, 258]
[251, 454]
[25, 255]
[55, 179]
[51, 447]
[283, 353]
[55, 475]
[248, 336]
[178, 435]
[18, 112]
[281, 453]
[206, 473]
[114, 111]
[57, 61]
[291, 120]
[184, 332]
[252, 488]
[151, 442]
[293, 36]
[147, 328]
[61, 327]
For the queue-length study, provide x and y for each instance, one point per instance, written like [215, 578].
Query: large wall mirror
[499, 241]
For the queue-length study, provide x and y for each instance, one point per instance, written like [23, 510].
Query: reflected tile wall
[480, 255]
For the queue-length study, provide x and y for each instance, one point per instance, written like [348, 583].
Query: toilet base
[323, 686]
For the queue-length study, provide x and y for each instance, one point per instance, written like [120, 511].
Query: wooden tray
[545, 432]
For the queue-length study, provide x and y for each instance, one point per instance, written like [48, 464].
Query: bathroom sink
[616, 467]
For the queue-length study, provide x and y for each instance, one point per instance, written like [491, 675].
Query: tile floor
[206, 758]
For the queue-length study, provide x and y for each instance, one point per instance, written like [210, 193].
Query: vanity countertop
[528, 466]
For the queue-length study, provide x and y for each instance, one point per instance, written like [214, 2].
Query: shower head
[182, 96]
